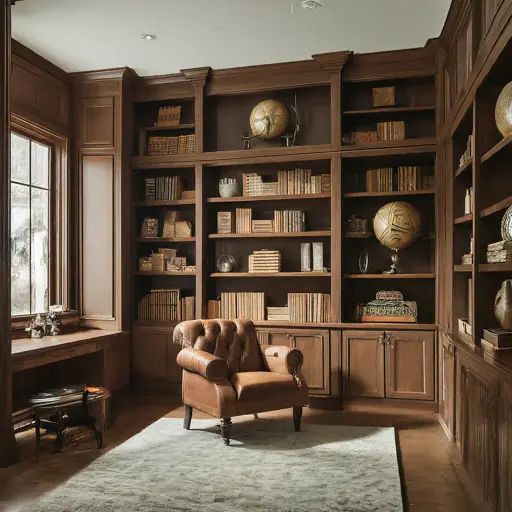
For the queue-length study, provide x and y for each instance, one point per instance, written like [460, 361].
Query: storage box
[384, 96]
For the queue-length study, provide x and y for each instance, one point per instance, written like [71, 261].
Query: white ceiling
[80, 35]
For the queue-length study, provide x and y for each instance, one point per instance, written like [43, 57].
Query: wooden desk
[115, 345]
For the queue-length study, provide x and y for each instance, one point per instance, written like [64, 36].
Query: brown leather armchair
[226, 373]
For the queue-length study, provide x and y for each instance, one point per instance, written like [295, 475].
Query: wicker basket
[171, 145]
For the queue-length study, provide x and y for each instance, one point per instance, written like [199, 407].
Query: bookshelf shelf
[355, 234]
[390, 276]
[183, 126]
[463, 168]
[176, 202]
[175, 274]
[268, 274]
[390, 110]
[250, 199]
[392, 145]
[161, 240]
[495, 267]
[462, 268]
[390, 194]
[297, 234]
[496, 207]
[502, 147]
[464, 219]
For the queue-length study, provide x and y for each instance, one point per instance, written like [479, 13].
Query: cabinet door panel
[410, 365]
[315, 349]
[154, 359]
[363, 363]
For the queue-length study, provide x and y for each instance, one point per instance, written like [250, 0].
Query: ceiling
[80, 35]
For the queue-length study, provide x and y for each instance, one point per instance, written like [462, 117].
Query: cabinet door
[447, 385]
[154, 359]
[410, 365]
[477, 424]
[363, 363]
[314, 345]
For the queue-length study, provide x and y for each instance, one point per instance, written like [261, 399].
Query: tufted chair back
[234, 341]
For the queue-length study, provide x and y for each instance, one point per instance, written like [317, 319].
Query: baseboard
[328, 403]
[421, 405]
[445, 428]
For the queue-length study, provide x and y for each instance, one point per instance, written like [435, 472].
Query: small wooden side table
[59, 409]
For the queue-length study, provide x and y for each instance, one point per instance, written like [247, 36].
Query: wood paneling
[7, 444]
[97, 122]
[409, 363]
[447, 385]
[154, 359]
[363, 363]
[505, 449]
[40, 91]
[98, 236]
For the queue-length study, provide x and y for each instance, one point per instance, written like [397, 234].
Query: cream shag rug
[268, 467]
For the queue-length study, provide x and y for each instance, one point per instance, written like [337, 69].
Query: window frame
[59, 215]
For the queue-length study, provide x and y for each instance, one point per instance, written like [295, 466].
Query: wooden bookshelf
[296, 234]
[390, 276]
[401, 193]
[268, 274]
[253, 199]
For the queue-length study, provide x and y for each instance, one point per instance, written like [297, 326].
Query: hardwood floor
[431, 484]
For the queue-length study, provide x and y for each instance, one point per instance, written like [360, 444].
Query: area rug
[268, 467]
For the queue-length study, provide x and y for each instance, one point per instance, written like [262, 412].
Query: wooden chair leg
[297, 417]
[188, 417]
[225, 430]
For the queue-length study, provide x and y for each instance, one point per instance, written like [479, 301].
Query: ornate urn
[503, 305]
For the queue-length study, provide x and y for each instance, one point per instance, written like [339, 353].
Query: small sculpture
[226, 263]
[503, 305]
[228, 187]
[36, 327]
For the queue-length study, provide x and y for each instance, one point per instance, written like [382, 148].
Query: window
[30, 225]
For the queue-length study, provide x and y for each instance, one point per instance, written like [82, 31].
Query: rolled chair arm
[281, 359]
[207, 365]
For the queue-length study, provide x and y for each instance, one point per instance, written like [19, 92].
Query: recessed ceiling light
[311, 4]
[148, 37]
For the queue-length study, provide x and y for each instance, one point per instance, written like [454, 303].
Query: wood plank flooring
[431, 484]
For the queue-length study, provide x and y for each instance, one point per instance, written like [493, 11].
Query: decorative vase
[506, 225]
[503, 112]
[228, 187]
[503, 305]
[363, 261]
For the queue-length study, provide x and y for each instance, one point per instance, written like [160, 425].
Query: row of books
[406, 178]
[284, 221]
[165, 260]
[391, 130]
[302, 307]
[163, 145]
[309, 307]
[265, 260]
[242, 305]
[166, 188]
[293, 182]
[243, 222]
[166, 305]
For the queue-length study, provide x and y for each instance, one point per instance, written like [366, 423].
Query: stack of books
[281, 314]
[166, 188]
[265, 261]
[467, 259]
[360, 137]
[163, 305]
[379, 180]
[243, 220]
[497, 340]
[309, 307]
[499, 252]
[289, 221]
[262, 226]
[249, 305]
[253, 185]
[187, 305]
[391, 130]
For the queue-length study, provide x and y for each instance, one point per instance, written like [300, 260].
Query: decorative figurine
[36, 327]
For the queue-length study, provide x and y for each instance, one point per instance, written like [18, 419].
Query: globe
[506, 225]
[503, 111]
[269, 119]
[397, 225]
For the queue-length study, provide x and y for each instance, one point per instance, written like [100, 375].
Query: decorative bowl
[228, 187]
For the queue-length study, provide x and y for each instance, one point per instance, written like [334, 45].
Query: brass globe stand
[394, 263]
